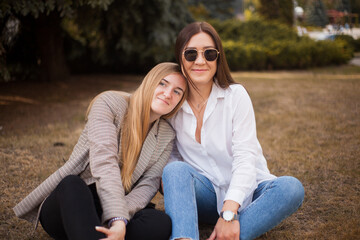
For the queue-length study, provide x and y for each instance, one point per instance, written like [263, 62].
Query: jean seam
[261, 196]
[196, 217]
[194, 196]
[212, 190]
[258, 190]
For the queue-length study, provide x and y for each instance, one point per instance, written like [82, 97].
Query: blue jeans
[190, 198]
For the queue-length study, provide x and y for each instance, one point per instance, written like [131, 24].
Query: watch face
[228, 215]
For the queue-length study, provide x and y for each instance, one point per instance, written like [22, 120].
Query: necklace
[199, 106]
[199, 114]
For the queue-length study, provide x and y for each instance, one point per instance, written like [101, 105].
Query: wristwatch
[228, 216]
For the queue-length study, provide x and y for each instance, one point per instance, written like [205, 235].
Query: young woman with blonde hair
[221, 175]
[115, 168]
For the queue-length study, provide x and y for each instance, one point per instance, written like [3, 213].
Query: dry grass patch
[308, 125]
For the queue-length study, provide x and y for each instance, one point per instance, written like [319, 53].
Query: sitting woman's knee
[154, 224]
[70, 181]
[175, 168]
[294, 189]
[164, 223]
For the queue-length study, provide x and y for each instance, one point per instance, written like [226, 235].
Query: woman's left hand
[226, 230]
[116, 232]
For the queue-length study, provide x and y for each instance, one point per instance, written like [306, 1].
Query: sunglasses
[210, 54]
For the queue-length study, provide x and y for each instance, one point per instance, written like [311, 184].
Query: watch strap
[234, 217]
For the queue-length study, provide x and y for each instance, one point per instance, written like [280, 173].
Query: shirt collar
[216, 92]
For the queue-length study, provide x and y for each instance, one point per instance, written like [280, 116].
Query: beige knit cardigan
[95, 160]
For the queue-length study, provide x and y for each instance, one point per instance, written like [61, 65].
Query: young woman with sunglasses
[218, 174]
[115, 168]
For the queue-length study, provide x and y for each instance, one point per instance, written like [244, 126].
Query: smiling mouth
[163, 101]
[199, 70]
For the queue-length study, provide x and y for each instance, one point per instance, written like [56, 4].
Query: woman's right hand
[115, 232]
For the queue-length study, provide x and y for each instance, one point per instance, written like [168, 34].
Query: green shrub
[289, 54]
[254, 31]
[337, 52]
[285, 54]
[257, 45]
[350, 41]
[241, 56]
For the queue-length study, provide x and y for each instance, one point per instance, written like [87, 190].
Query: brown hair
[222, 74]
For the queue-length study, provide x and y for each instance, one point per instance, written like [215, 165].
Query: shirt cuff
[235, 195]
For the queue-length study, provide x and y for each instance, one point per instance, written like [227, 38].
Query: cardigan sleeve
[149, 183]
[103, 154]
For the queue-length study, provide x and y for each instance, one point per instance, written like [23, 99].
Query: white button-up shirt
[229, 155]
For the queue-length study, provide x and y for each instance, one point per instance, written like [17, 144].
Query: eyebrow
[176, 87]
[203, 47]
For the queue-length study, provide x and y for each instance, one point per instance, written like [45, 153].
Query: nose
[200, 58]
[167, 93]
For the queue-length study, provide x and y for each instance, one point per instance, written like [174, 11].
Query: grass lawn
[308, 125]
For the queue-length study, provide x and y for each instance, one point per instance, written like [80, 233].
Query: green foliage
[129, 36]
[199, 12]
[36, 7]
[207, 9]
[4, 72]
[253, 31]
[240, 55]
[343, 6]
[315, 13]
[355, 6]
[20, 57]
[100, 35]
[279, 10]
[351, 6]
[257, 45]
[350, 41]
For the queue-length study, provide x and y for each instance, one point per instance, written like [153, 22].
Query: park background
[294, 58]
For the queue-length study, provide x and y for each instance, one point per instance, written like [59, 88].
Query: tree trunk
[50, 44]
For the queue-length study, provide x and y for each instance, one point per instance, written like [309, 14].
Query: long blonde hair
[136, 121]
[135, 125]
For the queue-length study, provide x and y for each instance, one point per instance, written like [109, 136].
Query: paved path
[355, 61]
[321, 35]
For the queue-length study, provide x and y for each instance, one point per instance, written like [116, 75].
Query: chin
[202, 80]
[162, 112]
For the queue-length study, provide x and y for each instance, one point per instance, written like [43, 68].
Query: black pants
[73, 210]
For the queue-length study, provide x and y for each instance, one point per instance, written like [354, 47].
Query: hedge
[285, 54]
[258, 45]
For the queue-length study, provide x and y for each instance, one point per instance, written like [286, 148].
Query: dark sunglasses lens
[210, 54]
[190, 55]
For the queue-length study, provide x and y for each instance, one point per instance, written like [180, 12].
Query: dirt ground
[308, 125]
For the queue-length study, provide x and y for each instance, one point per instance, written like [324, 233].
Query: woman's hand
[115, 232]
[226, 230]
